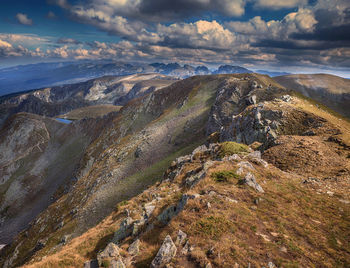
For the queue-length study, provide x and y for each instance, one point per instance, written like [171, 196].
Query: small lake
[65, 121]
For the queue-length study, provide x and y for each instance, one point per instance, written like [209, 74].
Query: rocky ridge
[209, 201]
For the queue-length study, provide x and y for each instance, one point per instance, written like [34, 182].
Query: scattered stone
[283, 249]
[166, 252]
[181, 238]
[250, 180]
[134, 248]
[311, 180]
[111, 252]
[344, 201]
[330, 193]
[265, 237]
[271, 265]
[210, 252]
[208, 205]
[231, 200]
[257, 201]
[91, 264]
[286, 98]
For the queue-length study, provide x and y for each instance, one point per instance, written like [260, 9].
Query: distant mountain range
[32, 76]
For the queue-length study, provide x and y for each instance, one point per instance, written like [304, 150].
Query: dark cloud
[170, 9]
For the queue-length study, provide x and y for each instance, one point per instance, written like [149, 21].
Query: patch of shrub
[224, 176]
[230, 148]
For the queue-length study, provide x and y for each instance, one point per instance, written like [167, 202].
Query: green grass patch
[229, 148]
[224, 176]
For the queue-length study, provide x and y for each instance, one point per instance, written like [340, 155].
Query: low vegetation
[229, 148]
[224, 176]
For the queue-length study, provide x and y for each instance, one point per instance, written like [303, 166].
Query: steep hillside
[54, 101]
[330, 90]
[169, 161]
[38, 158]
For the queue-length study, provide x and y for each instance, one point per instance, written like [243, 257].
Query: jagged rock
[134, 248]
[234, 157]
[91, 264]
[250, 180]
[148, 210]
[208, 205]
[286, 98]
[125, 230]
[187, 248]
[172, 211]
[137, 226]
[255, 154]
[244, 167]
[251, 100]
[59, 226]
[40, 244]
[193, 180]
[138, 152]
[197, 177]
[271, 265]
[111, 252]
[166, 252]
[64, 239]
[254, 84]
[181, 160]
[181, 238]
[200, 149]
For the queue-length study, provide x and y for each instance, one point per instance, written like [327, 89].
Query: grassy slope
[330, 90]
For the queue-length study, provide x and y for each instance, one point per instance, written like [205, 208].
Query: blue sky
[302, 35]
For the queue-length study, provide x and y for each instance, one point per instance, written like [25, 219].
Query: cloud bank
[311, 34]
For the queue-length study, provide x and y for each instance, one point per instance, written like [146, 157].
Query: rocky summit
[225, 170]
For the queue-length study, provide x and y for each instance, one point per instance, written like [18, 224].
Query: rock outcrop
[166, 252]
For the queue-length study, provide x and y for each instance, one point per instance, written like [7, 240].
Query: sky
[288, 35]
